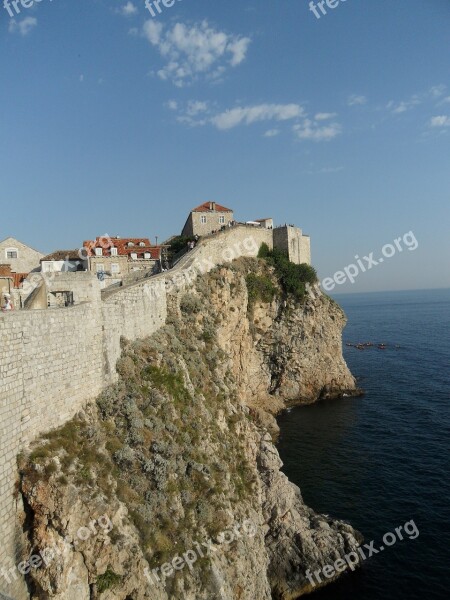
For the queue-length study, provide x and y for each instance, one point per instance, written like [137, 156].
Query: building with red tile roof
[207, 218]
[115, 257]
[211, 207]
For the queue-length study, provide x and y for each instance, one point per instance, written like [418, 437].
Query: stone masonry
[54, 361]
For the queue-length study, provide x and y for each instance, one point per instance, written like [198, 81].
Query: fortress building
[210, 217]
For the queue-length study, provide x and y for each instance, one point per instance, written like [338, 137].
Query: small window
[113, 251]
[147, 255]
[130, 244]
[142, 244]
[133, 256]
[12, 253]
[100, 267]
[222, 220]
[203, 219]
[98, 252]
[115, 268]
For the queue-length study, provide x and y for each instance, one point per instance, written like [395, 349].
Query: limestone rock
[180, 455]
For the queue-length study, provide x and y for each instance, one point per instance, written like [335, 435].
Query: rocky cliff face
[170, 487]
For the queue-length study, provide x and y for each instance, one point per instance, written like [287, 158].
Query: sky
[114, 121]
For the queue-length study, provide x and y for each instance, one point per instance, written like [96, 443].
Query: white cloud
[128, 9]
[324, 116]
[81, 78]
[252, 114]
[440, 121]
[355, 100]
[271, 133]
[152, 31]
[398, 108]
[196, 107]
[196, 113]
[310, 130]
[23, 27]
[193, 51]
[437, 91]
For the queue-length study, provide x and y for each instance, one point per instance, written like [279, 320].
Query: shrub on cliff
[108, 580]
[260, 287]
[190, 304]
[292, 277]
[264, 251]
[179, 243]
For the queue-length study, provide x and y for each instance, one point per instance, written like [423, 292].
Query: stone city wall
[54, 361]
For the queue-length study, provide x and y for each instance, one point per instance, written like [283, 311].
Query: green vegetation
[179, 243]
[108, 580]
[260, 287]
[292, 278]
[190, 304]
[69, 444]
[166, 381]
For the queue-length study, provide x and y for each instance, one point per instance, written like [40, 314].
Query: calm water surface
[383, 460]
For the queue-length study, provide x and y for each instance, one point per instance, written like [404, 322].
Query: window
[12, 253]
[133, 256]
[115, 268]
[130, 244]
[113, 251]
[98, 252]
[100, 267]
[203, 220]
[222, 220]
[147, 255]
[142, 244]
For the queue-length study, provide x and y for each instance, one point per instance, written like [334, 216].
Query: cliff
[170, 487]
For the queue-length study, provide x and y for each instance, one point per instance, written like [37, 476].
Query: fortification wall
[50, 364]
[54, 361]
[305, 249]
[290, 239]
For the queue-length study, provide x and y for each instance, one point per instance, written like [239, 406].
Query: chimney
[212, 206]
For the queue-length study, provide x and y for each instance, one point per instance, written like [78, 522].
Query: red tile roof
[206, 207]
[140, 246]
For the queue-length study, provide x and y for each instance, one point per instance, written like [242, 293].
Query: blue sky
[116, 122]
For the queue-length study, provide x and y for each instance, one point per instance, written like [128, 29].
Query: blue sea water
[382, 460]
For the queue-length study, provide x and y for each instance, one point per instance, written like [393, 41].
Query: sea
[382, 461]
